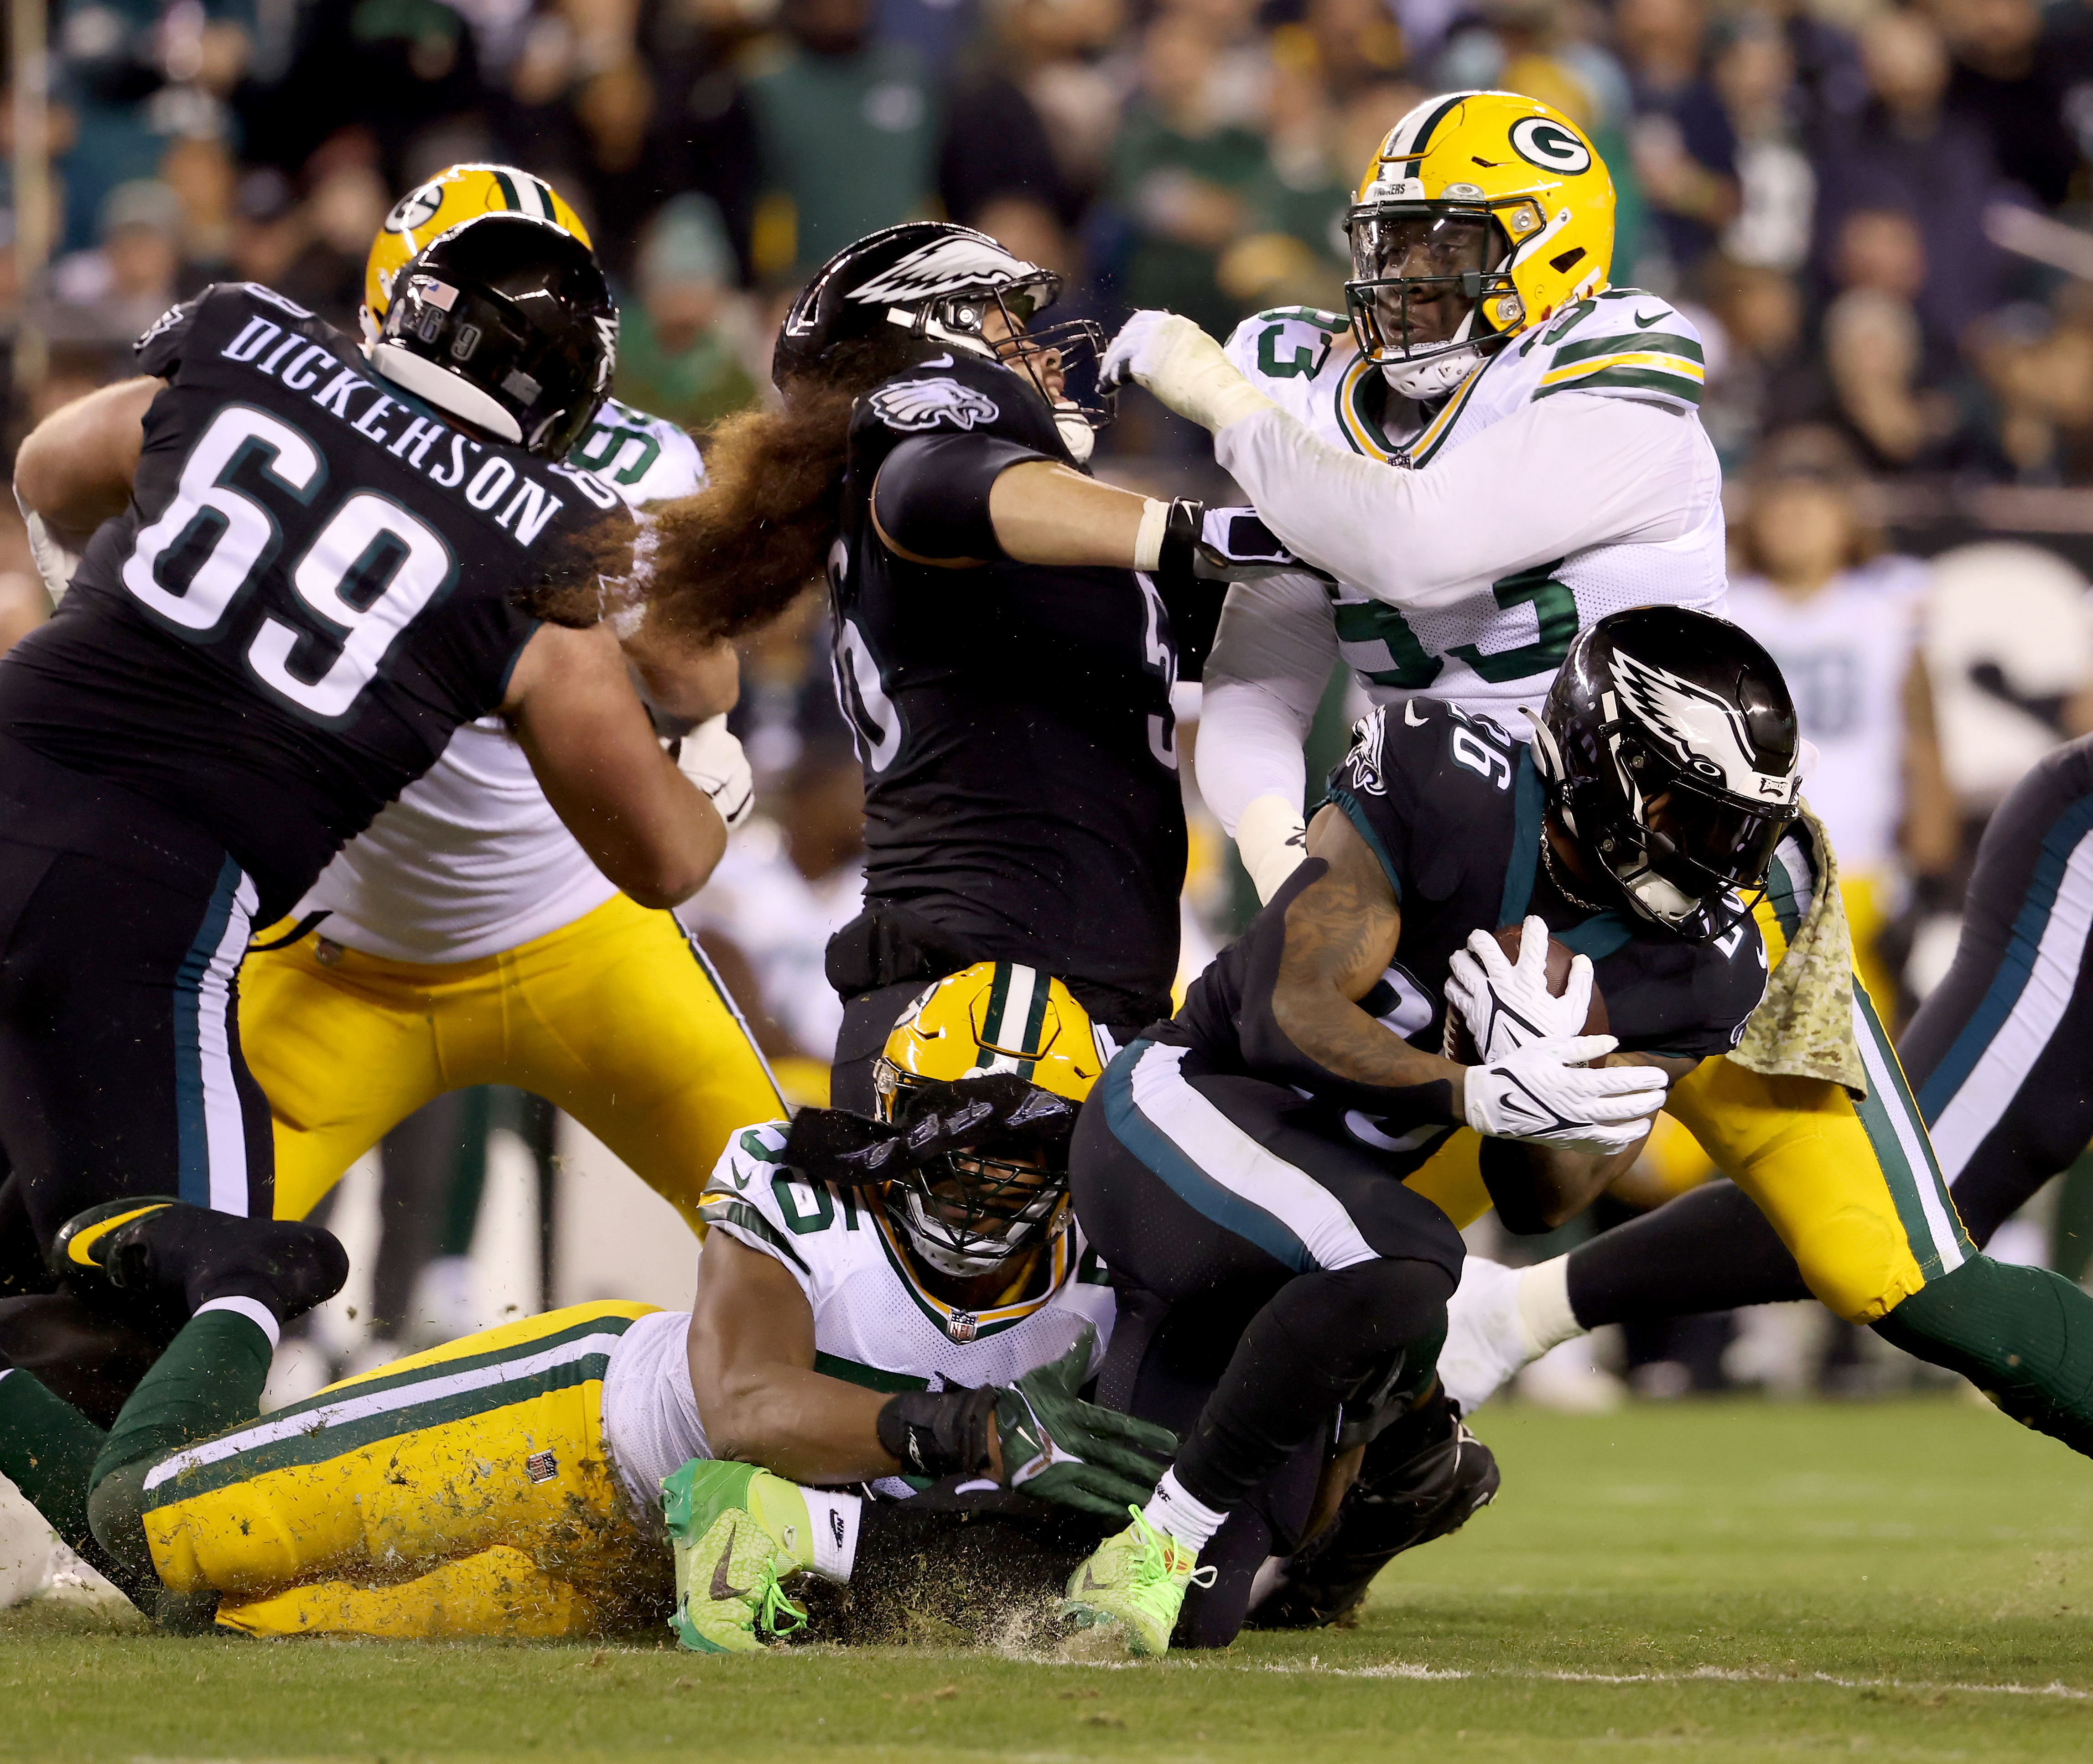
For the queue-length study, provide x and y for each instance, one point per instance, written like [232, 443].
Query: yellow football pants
[1853, 1188]
[615, 1018]
[464, 1491]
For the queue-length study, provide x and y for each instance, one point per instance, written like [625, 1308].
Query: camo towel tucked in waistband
[1803, 1026]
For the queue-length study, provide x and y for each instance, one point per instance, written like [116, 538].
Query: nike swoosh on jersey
[1643, 324]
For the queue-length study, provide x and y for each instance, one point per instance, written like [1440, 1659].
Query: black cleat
[1433, 1489]
[161, 1252]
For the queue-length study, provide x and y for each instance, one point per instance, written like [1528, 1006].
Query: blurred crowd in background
[1877, 214]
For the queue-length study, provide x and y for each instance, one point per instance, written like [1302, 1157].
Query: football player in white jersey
[1497, 449]
[929, 1312]
[463, 937]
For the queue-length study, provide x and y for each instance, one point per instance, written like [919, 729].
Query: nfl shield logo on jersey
[962, 1325]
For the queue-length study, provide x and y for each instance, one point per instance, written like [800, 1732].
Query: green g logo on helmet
[1544, 142]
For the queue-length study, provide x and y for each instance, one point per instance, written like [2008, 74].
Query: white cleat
[1485, 1343]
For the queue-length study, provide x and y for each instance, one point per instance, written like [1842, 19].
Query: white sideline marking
[1703, 1674]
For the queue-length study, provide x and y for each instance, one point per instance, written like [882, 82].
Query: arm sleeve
[931, 495]
[1565, 473]
[1271, 662]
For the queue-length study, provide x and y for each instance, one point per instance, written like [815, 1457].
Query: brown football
[1460, 1045]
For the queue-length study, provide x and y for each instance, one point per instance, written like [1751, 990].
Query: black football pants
[122, 930]
[1295, 1273]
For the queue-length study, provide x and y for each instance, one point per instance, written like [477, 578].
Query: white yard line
[1396, 1669]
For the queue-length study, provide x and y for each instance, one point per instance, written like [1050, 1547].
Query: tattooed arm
[1341, 932]
[1341, 935]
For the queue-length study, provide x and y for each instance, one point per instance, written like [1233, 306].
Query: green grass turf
[1728, 1582]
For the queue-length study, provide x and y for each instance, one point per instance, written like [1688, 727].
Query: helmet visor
[1417, 276]
[1720, 835]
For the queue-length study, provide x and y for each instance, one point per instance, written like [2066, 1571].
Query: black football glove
[1057, 1447]
[1204, 545]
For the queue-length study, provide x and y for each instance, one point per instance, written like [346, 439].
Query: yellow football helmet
[993, 1016]
[970, 1212]
[1481, 214]
[455, 195]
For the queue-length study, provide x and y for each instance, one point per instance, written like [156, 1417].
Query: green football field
[1726, 1582]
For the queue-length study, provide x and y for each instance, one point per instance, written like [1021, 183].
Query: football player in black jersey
[302, 582]
[1240, 1163]
[1004, 646]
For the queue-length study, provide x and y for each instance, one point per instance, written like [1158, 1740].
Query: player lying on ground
[1998, 1056]
[1243, 1162]
[307, 578]
[1553, 469]
[511, 1482]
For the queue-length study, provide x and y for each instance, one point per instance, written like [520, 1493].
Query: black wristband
[1181, 532]
[938, 1433]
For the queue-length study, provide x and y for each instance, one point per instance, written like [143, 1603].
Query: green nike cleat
[1136, 1580]
[728, 1600]
[736, 1529]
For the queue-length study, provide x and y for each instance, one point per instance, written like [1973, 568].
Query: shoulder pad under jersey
[1626, 343]
[956, 394]
[758, 1199]
[1293, 354]
[644, 458]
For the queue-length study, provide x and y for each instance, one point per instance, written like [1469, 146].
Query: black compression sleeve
[931, 497]
[1710, 1250]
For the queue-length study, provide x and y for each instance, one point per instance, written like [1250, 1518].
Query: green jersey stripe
[1645, 343]
[866, 1377]
[717, 1209]
[1632, 379]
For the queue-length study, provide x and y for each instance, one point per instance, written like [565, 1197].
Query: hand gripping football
[1459, 1045]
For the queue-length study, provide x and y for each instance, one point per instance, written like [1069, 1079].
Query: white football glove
[1184, 367]
[1506, 1004]
[54, 562]
[1546, 1094]
[711, 759]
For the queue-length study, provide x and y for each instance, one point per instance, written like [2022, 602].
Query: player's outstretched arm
[960, 501]
[751, 1355]
[74, 468]
[648, 828]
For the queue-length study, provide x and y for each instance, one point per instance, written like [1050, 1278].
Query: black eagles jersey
[1451, 806]
[1021, 794]
[309, 593]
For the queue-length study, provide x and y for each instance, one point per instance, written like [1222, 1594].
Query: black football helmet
[506, 322]
[1670, 744]
[931, 283]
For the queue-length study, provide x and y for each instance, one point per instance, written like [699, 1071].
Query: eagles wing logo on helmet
[1706, 731]
[912, 405]
[942, 267]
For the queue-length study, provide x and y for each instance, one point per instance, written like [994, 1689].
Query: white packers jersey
[1846, 653]
[1502, 639]
[875, 1322]
[469, 860]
